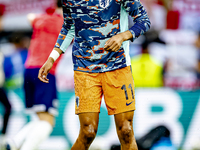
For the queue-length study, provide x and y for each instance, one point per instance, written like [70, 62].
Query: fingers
[107, 44]
[42, 75]
[44, 70]
[112, 45]
[115, 48]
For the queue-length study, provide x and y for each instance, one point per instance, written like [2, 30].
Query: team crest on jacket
[104, 3]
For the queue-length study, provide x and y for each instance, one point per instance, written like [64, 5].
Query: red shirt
[46, 29]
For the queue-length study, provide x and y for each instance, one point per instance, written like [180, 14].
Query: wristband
[54, 54]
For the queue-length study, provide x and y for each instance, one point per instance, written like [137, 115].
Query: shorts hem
[118, 112]
[80, 112]
[42, 108]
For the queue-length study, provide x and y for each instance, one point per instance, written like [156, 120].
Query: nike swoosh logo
[127, 104]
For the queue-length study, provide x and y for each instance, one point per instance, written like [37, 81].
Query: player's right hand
[44, 70]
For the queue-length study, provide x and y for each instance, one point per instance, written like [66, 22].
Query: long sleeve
[67, 32]
[140, 18]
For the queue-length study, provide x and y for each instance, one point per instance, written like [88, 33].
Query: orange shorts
[117, 87]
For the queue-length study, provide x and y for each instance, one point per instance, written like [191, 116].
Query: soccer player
[101, 63]
[40, 97]
[3, 96]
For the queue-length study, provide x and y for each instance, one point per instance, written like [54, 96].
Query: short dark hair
[59, 3]
[16, 37]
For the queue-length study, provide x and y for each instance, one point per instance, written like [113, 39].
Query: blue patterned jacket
[91, 23]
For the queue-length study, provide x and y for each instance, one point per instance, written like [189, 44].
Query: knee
[89, 132]
[126, 132]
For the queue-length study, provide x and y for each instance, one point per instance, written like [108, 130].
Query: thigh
[118, 89]
[88, 92]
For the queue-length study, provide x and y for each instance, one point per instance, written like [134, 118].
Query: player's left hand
[115, 42]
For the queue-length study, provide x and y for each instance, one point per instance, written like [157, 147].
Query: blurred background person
[148, 71]
[14, 62]
[40, 98]
[3, 95]
[5, 102]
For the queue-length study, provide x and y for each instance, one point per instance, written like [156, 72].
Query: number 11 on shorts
[125, 91]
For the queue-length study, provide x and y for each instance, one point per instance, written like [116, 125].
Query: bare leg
[45, 116]
[124, 126]
[88, 130]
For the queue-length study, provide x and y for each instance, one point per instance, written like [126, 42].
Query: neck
[59, 11]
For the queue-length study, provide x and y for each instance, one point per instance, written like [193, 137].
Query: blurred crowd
[168, 55]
